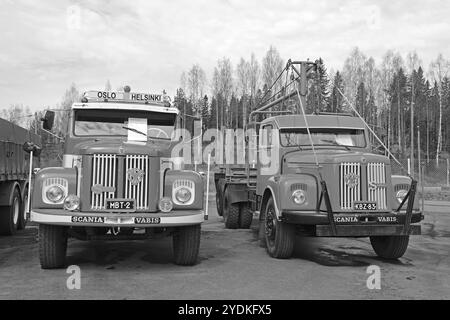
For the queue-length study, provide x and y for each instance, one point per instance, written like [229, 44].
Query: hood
[116, 145]
[333, 156]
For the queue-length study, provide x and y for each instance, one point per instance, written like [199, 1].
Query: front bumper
[138, 220]
[321, 218]
[355, 224]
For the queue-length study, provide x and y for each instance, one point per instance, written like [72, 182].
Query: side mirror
[47, 121]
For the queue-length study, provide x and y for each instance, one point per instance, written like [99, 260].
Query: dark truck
[15, 146]
[324, 178]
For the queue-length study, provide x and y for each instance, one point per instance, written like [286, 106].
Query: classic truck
[118, 180]
[15, 146]
[323, 179]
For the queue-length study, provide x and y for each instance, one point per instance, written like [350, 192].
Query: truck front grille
[137, 180]
[104, 172]
[350, 184]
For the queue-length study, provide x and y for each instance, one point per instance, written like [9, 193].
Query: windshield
[101, 122]
[323, 137]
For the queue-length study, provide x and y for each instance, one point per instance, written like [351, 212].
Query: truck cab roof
[315, 121]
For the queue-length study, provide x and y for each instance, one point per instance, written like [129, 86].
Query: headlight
[55, 194]
[401, 194]
[183, 195]
[165, 204]
[72, 202]
[299, 196]
[183, 192]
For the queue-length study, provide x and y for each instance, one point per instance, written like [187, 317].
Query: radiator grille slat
[349, 192]
[138, 191]
[103, 175]
[376, 184]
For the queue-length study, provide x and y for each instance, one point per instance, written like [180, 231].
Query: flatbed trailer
[14, 175]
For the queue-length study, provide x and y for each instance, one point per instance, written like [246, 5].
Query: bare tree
[439, 69]
[243, 83]
[196, 80]
[223, 83]
[413, 62]
[254, 78]
[272, 65]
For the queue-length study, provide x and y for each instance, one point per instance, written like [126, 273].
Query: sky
[47, 45]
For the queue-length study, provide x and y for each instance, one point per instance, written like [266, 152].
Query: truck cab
[118, 179]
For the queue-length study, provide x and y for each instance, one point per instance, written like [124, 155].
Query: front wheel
[280, 236]
[52, 246]
[186, 244]
[390, 247]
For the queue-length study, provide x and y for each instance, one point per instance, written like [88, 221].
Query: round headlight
[72, 202]
[55, 194]
[299, 196]
[401, 194]
[183, 195]
[165, 204]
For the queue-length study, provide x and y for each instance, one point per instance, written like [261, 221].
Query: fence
[432, 174]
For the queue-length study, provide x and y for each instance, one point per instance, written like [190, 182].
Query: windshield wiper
[335, 143]
[134, 130]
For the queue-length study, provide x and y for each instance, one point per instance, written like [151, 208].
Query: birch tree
[439, 69]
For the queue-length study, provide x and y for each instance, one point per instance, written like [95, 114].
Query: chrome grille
[103, 176]
[376, 184]
[139, 189]
[349, 193]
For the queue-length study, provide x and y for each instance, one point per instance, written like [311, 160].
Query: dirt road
[233, 266]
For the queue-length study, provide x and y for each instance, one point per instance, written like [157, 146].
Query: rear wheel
[230, 213]
[23, 219]
[390, 247]
[186, 244]
[52, 246]
[245, 217]
[10, 215]
[280, 236]
[219, 199]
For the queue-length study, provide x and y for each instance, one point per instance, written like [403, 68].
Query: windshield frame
[133, 113]
[323, 145]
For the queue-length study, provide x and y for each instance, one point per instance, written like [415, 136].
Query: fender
[7, 191]
[273, 187]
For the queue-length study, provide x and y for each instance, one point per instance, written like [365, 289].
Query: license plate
[365, 206]
[122, 205]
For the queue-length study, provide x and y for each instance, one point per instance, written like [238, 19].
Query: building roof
[316, 121]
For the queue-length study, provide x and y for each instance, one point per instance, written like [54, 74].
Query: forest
[399, 97]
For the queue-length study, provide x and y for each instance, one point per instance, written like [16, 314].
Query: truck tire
[280, 236]
[231, 213]
[245, 217]
[390, 247]
[23, 219]
[52, 246]
[262, 234]
[186, 244]
[219, 198]
[10, 215]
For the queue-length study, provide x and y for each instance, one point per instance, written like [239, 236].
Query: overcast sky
[46, 45]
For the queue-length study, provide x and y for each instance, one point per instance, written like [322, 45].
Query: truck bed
[13, 160]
